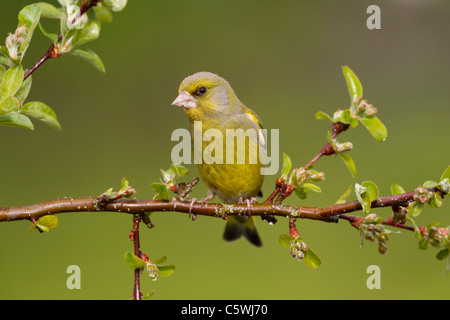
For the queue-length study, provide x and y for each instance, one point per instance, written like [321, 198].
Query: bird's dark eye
[201, 91]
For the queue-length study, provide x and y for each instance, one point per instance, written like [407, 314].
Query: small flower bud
[357, 100]
[369, 236]
[362, 106]
[300, 255]
[337, 114]
[152, 270]
[346, 146]
[319, 176]
[21, 33]
[74, 19]
[379, 228]
[370, 218]
[371, 110]
[444, 185]
[14, 41]
[301, 175]
[382, 248]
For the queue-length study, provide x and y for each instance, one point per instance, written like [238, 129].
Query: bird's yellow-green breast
[210, 103]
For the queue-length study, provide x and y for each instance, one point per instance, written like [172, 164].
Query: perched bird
[209, 99]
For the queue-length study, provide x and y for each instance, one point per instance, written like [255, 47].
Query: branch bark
[138, 207]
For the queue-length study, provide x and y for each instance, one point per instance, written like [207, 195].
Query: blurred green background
[284, 60]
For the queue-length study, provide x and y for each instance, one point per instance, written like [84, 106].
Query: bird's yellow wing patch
[254, 118]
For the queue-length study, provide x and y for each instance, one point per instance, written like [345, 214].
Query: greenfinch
[209, 100]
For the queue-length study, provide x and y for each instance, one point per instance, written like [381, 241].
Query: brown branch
[138, 207]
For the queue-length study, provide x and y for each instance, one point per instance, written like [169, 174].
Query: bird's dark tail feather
[239, 226]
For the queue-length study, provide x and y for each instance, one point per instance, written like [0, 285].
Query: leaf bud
[13, 41]
[345, 146]
[115, 5]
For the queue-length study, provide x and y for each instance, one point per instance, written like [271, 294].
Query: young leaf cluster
[155, 268]
[371, 229]
[44, 223]
[299, 179]
[168, 183]
[358, 111]
[300, 251]
[76, 29]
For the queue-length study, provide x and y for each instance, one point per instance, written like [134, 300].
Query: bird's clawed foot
[202, 201]
[249, 205]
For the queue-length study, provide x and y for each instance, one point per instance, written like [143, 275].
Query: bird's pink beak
[185, 100]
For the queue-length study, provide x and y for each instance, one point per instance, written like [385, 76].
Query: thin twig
[137, 252]
[279, 193]
[52, 51]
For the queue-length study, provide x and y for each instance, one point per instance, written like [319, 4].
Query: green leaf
[103, 14]
[169, 175]
[441, 255]
[91, 57]
[348, 160]
[115, 5]
[45, 223]
[15, 119]
[4, 59]
[302, 193]
[89, 33]
[65, 31]
[353, 84]
[125, 183]
[11, 104]
[30, 16]
[372, 190]
[423, 244]
[134, 262]
[159, 261]
[311, 259]
[285, 240]
[435, 201]
[397, 189]
[165, 271]
[359, 191]
[430, 184]
[48, 222]
[151, 293]
[311, 186]
[179, 170]
[323, 115]
[12, 81]
[375, 127]
[416, 228]
[2, 73]
[42, 112]
[331, 140]
[343, 198]
[345, 116]
[49, 11]
[366, 193]
[52, 36]
[287, 164]
[24, 89]
[162, 193]
[445, 174]
[415, 208]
